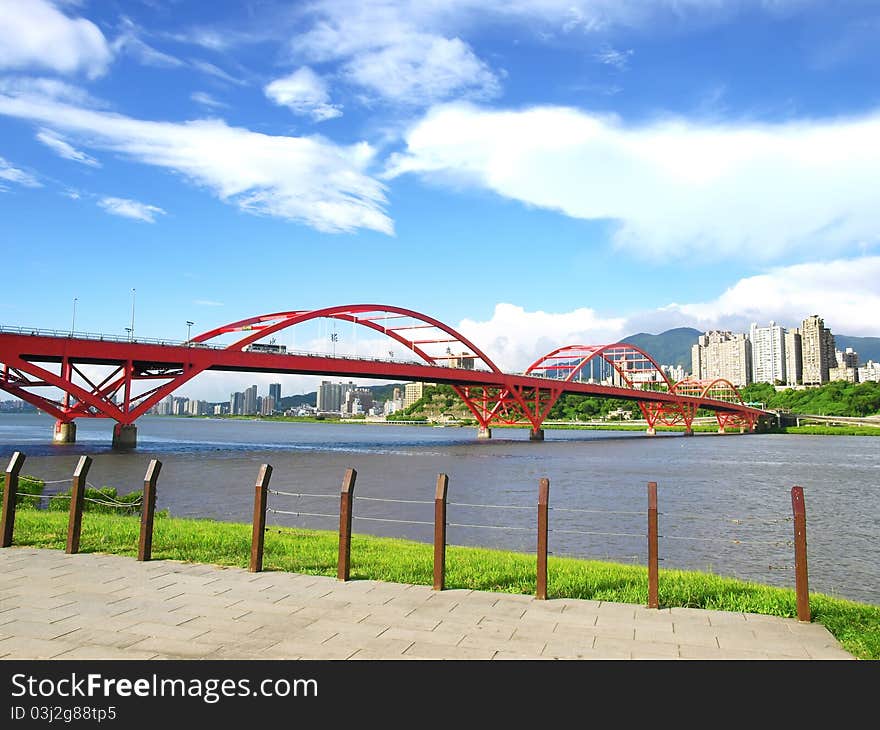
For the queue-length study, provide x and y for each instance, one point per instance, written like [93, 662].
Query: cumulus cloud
[131, 209]
[64, 149]
[305, 179]
[843, 292]
[15, 175]
[36, 34]
[396, 52]
[304, 93]
[673, 187]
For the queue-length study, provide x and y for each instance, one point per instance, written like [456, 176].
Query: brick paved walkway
[59, 606]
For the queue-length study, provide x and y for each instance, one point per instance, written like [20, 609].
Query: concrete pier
[536, 435]
[64, 433]
[651, 431]
[124, 436]
[689, 432]
[483, 434]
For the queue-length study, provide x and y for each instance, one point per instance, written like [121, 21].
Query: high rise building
[413, 391]
[267, 406]
[331, 396]
[768, 353]
[251, 407]
[275, 393]
[794, 363]
[817, 346]
[722, 354]
[236, 404]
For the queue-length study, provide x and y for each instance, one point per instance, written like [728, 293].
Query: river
[724, 501]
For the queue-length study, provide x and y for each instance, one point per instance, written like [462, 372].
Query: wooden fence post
[77, 493]
[801, 582]
[440, 532]
[653, 550]
[10, 493]
[261, 490]
[543, 503]
[148, 509]
[343, 564]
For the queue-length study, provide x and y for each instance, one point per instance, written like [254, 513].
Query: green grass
[822, 430]
[856, 626]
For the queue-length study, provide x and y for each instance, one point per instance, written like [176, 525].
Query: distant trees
[838, 398]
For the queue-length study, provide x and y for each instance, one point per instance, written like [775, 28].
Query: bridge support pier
[721, 430]
[484, 433]
[536, 434]
[651, 431]
[124, 436]
[64, 433]
[689, 432]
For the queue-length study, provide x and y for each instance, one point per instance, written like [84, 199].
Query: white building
[869, 371]
[768, 353]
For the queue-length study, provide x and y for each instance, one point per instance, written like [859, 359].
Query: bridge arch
[634, 365]
[374, 317]
[720, 389]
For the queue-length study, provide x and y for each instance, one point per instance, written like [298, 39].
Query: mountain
[867, 347]
[672, 347]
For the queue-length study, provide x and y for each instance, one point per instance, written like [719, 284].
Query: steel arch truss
[427, 338]
[630, 367]
[719, 390]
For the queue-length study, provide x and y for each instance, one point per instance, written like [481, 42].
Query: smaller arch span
[720, 389]
[636, 367]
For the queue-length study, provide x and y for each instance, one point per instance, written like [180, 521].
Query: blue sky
[528, 172]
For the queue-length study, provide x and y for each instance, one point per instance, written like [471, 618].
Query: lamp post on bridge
[132, 314]
[73, 321]
[188, 330]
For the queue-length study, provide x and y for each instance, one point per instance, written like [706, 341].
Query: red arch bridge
[55, 371]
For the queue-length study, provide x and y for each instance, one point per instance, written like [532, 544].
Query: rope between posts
[299, 494]
[491, 506]
[402, 501]
[612, 534]
[773, 519]
[492, 527]
[594, 511]
[388, 519]
[136, 503]
[784, 543]
[299, 514]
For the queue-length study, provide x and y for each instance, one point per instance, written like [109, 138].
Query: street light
[73, 322]
[188, 326]
[129, 330]
[132, 314]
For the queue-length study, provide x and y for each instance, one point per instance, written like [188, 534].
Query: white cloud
[843, 292]
[205, 99]
[207, 303]
[306, 179]
[216, 72]
[393, 52]
[612, 57]
[514, 338]
[305, 93]
[131, 209]
[64, 149]
[15, 175]
[675, 188]
[35, 33]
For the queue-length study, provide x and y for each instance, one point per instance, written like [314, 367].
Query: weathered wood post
[346, 497]
[543, 505]
[261, 491]
[10, 494]
[440, 532]
[801, 582]
[148, 509]
[653, 549]
[77, 493]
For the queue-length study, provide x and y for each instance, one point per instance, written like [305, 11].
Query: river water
[724, 501]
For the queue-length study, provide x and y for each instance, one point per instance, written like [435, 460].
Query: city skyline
[532, 173]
